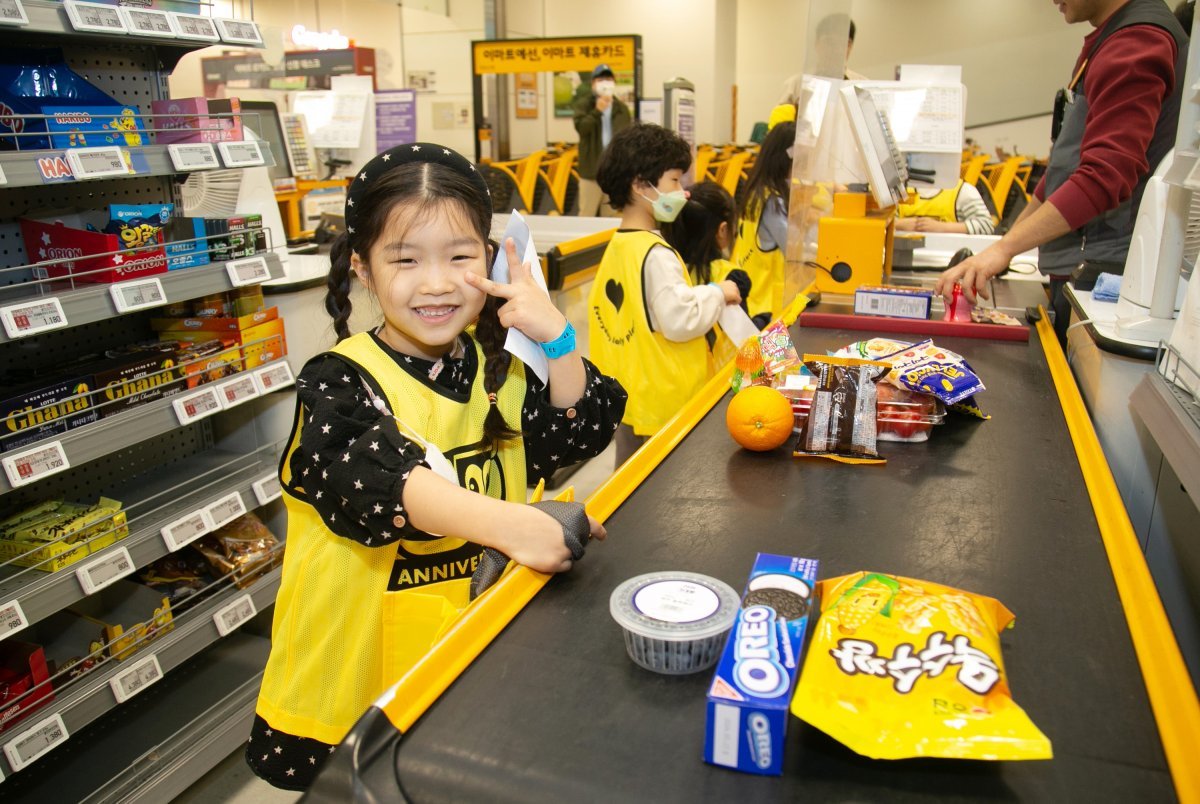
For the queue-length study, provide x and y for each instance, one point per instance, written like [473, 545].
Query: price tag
[12, 619]
[194, 407]
[226, 509]
[94, 17]
[137, 294]
[186, 529]
[187, 156]
[250, 271]
[274, 377]
[13, 13]
[230, 617]
[137, 677]
[267, 489]
[193, 26]
[147, 22]
[239, 32]
[34, 464]
[238, 390]
[105, 571]
[241, 154]
[32, 317]
[97, 163]
[36, 741]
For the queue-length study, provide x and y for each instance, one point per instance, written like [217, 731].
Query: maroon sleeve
[1126, 83]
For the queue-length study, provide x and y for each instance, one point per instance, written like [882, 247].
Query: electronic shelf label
[97, 163]
[148, 22]
[186, 529]
[94, 17]
[194, 407]
[243, 153]
[239, 32]
[32, 317]
[36, 742]
[226, 509]
[137, 294]
[274, 377]
[140, 675]
[249, 271]
[188, 156]
[34, 464]
[238, 390]
[13, 13]
[194, 26]
[267, 489]
[12, 619]
[105, 571]
[232, 616]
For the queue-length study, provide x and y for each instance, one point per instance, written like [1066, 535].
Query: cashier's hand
[973, 274]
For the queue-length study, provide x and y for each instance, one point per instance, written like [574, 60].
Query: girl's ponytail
[337, 293]
[491, 336]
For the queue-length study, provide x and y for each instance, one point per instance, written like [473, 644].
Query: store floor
[232, 780]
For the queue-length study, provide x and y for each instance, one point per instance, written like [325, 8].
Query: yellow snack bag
[903, 668]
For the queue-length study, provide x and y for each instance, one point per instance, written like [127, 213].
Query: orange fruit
[749, 357]
[759, 418]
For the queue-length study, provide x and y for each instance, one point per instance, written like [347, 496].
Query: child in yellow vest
[646, 317]
[959, 209]
[411, 452]
[762, 230]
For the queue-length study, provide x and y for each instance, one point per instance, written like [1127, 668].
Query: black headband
[403, 155]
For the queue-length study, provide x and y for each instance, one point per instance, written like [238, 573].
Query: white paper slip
[241, 154]
[36, 741]
[232, 616]
[193, 407]
[94, 17]
[12, 619]
[238, 390]
[250, 271]
[97, 163]
[32, 465]
[3, 178]
[187, 156]
[226, 509]
[239, 32]
[524, 348]
[274, 377]
[147, 22]
[105, 571]
[140, 675]
[137, 294]
[32, 317]
[267, 489]
[186, 529]
[194, 26]
[736, 325]
[13, 13]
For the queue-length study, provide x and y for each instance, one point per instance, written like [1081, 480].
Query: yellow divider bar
[1168, 685]
[587, 241]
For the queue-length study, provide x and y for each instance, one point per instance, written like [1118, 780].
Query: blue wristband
[562, 345]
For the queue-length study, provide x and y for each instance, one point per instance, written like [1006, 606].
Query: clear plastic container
[674, 622]
[901, 415]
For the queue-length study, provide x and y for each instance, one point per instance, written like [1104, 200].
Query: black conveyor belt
[555, 711]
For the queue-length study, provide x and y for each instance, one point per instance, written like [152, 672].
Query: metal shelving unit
[1172, 415]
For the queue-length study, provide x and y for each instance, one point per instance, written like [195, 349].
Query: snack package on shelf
[93, 126]
[189, 120]
[245, 547]
[185, 244]
[260, 335]
[183, 578]
[24, 681]
[39, 408]
[207, 360]
[72, 238]
[130, 616]
[55, 534]
[138, 224]
[841, 422]
[903, 668]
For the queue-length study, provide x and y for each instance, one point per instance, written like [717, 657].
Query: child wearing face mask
[647, 315]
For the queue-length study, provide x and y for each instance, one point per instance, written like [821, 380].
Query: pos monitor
[886, 167]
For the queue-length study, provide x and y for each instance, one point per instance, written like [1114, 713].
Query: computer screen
[262, 117]
[885, 166]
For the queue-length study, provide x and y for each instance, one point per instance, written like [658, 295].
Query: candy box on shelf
[215, 323]
[207, 360]
[56, 534]
[81, 126]
[130, 616]
[752, 686]
[24, 681]
[260, 343]
[185, 246]
[67, 240]
[198, 123]
[123, 381]
[37, 409]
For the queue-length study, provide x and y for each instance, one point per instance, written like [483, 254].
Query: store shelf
[124, 429]
[92, 696]
[187, 488]
[24, 168]
[1170, 414]
[88, 303]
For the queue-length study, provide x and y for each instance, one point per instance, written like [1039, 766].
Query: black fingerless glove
[576, 532]
[740, 278]
[761, 320]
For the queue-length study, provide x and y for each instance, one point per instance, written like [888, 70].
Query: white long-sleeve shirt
[678, 310]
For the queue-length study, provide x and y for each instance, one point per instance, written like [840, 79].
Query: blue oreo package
[752, 687]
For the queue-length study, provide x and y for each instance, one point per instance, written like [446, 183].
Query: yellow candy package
[903, 668]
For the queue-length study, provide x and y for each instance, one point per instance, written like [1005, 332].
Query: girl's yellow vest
[350, 619]
[940, 207]
[765, 268]
[659, 375]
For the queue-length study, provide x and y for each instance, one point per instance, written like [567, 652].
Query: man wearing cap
[599, 114]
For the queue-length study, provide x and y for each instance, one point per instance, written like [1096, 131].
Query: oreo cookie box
[749, 697]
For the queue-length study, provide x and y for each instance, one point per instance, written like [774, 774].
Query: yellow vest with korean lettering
[350, 619]
[940, 206]
[765, 268]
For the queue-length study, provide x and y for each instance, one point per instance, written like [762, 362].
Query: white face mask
[667, 206]
[605, 89]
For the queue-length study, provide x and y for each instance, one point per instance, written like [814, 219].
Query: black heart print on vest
[615, 293]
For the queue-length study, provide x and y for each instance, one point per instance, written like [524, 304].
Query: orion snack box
[45, 407]
[69, 242]
[752, 687]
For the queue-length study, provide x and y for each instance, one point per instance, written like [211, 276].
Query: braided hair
[428, 186]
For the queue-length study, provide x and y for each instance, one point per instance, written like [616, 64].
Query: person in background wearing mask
[599, 116]
[647, 317]
[1113, 124]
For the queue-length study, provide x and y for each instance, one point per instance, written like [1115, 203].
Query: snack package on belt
[933, 370]
[903, 668]
[841, 418]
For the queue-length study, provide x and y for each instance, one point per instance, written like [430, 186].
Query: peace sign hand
[527, 306]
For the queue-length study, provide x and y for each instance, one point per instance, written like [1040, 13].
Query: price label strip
[239, 32]
[188, 156]
[12, 619]
[194, 26]
[194, 407]
[241, 154]
[94, 17]
[267, 489]
[32, 317]
[137, 294]
[97, 163]
[186, 529]
[250, 271]
[272, 378]
[34, 464]
[35, 742]
[232, 616]
[226, 509]
[13, 13]
[147, 22]
[105, 571]
[236, 391]
[140, 675]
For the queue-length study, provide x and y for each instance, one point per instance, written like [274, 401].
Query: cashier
[1113, 123]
